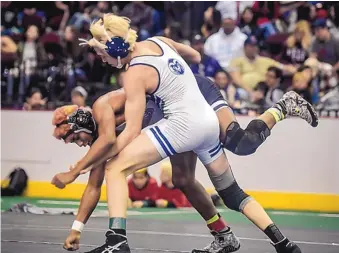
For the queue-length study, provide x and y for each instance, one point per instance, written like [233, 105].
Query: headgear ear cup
[117, 48]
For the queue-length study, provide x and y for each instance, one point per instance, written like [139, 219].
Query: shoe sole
[228, 249]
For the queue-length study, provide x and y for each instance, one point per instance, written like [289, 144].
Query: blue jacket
[207, 67]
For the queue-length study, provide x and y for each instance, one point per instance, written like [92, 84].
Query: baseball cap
[251, 40]
[197, 39]
[80, 90]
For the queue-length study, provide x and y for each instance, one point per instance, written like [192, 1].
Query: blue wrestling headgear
[117, 47]
[81, 121]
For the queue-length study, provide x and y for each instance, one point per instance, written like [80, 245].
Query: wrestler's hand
[161, 203]
[60, 180]
[137, 204]
[72, 241]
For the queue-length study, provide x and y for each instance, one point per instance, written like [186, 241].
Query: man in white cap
[227, 43]
[79, 96]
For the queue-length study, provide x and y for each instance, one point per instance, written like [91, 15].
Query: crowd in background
[144, 190]
[254, 51]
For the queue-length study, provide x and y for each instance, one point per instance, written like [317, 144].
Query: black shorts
[211, 93]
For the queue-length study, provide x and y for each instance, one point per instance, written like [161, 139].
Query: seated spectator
[72, 49]
[212, 22]
[141, 16]
[169, 196]
[79, 96]
[223, 81]
[300, 84]
[333, 20]
[208, 66]
[267, 93]
[35, 101]
[298, 44]
[234, 8]
[247, 23]
[32, 50]
[325, 47]
[179, 12]
[247, 71]
[143, 189]
[227, 43]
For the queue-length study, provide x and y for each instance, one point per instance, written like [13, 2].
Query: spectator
[35, 101]
[333, 20]
[169, 196]
[223, 81]
[300, 84]
[71, 47]
[268, 93]
[79, 96]
[32, 56]
[141, 16]
[227, 43]
[247, 71]
[325, 47]
[212, 22]
[298, 44]
[31, 50]
[233, 8]
[179, 12]
[208, 66]
[143, 189]
[247, 22]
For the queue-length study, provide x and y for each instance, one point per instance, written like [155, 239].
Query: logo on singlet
[176, 67]
[147, 116]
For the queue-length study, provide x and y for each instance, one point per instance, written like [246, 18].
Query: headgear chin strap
[80, 121]
[117, 48]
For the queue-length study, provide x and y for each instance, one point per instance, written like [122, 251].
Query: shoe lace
[215, 244]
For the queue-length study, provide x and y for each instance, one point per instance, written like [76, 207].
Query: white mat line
[35, 227]
[91, 245]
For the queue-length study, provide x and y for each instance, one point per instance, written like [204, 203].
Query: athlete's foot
[291, 104]
[114, 243]
[223, 243]
[286, 246]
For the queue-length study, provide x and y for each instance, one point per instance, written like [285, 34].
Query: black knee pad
[234, 197]
[245, 142]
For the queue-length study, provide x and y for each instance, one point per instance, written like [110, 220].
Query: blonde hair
[111, 26]
[166, 167]
[304, 27]
[59, 115]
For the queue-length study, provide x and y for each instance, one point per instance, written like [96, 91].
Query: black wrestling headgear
[81, 121]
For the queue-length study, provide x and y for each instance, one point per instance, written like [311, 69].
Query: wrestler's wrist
[78, 226]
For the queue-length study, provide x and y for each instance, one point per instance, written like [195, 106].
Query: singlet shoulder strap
[162, 44]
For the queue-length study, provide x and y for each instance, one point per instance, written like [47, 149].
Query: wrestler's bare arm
[105, 118]
[91, 195]
[188, 53]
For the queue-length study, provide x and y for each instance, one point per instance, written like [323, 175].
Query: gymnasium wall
[297, 168]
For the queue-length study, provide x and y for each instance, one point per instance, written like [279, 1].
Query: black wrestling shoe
[114, 243]
[286, 246]
[292, 104]
[223, 243]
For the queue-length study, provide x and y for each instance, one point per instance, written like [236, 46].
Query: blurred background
[254, 51]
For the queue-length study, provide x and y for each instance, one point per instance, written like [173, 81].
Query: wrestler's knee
[181, 179]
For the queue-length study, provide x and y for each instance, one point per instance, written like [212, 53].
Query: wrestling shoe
[223, 243]
[286, 246]
[114, 243]
[292, 104]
